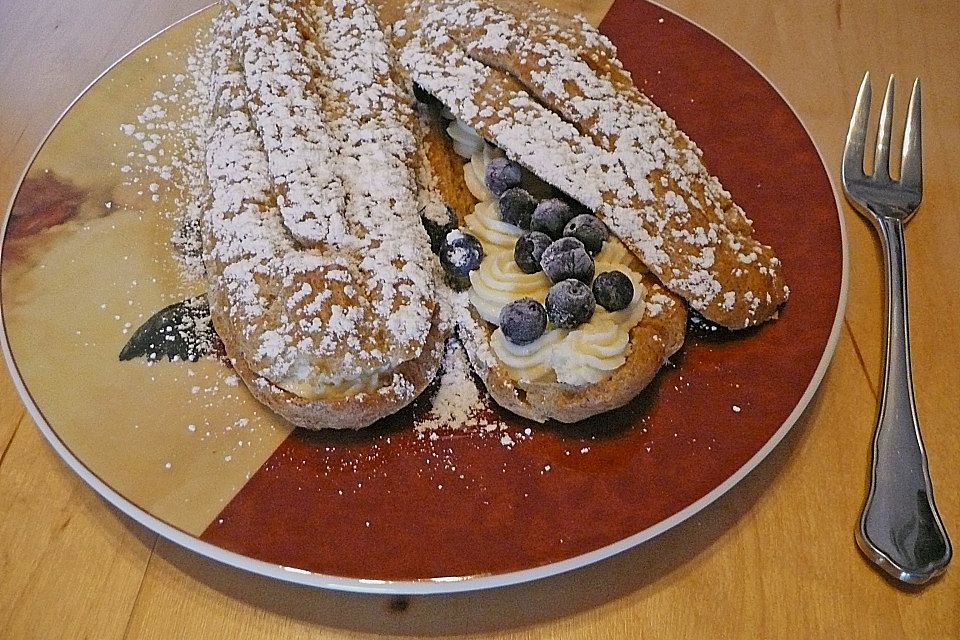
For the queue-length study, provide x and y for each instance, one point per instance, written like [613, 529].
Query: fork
[900, 529]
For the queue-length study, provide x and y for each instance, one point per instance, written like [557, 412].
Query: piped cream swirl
[583, 356]
[528, 362]
[595, 349]
[475, 172]
[490, 230]
[499, 281]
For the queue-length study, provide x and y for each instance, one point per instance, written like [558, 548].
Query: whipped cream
[615, 255]
[528, 362]
[486, 225]
[583, 356]
[499, 281]
[596, 348]
[475, 172]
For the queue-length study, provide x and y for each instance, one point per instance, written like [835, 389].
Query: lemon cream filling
[585, 355]
[313, 389]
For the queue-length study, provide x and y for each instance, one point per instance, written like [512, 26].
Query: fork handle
[900, 528]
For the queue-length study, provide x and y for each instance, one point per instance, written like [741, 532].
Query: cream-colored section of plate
[176, 439]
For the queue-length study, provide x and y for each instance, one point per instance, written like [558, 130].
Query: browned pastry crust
[652, 341]
[352, 411]
[549, 91]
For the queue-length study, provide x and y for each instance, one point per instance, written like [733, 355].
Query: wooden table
[774, 558]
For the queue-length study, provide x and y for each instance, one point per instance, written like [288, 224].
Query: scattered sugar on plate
[460, 405]
[457, 399]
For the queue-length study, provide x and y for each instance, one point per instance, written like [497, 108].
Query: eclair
[563, 373]
[587, 221]
[316, 261]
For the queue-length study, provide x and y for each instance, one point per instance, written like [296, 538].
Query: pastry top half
[549, 91]
[319, 275]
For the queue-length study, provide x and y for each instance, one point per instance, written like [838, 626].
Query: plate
[488, 501]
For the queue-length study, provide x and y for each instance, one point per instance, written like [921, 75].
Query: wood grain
[774, 558]
[11, 412]
[61, 547]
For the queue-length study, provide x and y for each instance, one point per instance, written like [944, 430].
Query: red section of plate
[383, 504]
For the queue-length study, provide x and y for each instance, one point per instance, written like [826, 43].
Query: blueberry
[589, 229]
[567, 258]
[570, 303]
[460, 254]
[516, 206]
[529, 249]
[613, 290]
[502, 174]
[423, 97]
[550, 217]
[523, 321]
[437, 231]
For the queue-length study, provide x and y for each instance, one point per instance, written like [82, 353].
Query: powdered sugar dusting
[309, 166]
[457, 400]
[461, 406]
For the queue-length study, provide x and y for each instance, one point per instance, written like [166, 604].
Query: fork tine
[881, 160]
[857, 133]
[911, 170]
